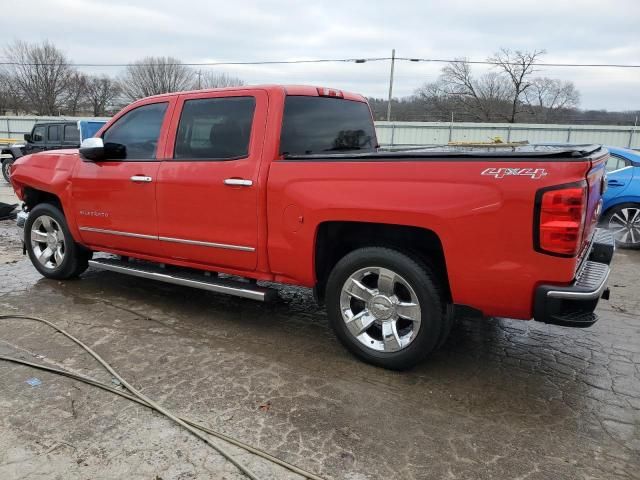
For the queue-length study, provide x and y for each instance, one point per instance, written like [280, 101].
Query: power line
[207, 64]
[536, 64]
[332, 60]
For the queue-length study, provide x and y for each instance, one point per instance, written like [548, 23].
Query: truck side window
[54, 133]
[134, 136]
[71, 134]
[38, 135]
[322, 124]
[215, 128]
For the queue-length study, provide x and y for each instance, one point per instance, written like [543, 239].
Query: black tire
[6, 163]
[75, 257]
[623, 211]
[448, 320]
[434, 322]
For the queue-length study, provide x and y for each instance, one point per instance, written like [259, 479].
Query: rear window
[322, 124]
[71, 133]
[616, 163]
[54, 133]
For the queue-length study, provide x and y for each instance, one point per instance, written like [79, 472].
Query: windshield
[323, 124]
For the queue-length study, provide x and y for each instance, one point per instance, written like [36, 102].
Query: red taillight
[561, 216]
[329, 92]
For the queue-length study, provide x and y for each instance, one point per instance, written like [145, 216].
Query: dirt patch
[10, 244]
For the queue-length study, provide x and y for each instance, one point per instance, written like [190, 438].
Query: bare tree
[481, 98]
[10, 99]
[518, 66]
[496, 95]
[75, 94]
[216, 80]
[41, 74]
[102, 94]
[548, 98]
[155, 75]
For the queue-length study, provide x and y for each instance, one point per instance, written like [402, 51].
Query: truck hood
[49, 159]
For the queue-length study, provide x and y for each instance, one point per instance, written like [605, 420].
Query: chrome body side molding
[200, 243]
[115, 232]
[207, 244]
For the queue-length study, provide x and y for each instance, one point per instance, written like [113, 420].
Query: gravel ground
[503, 399]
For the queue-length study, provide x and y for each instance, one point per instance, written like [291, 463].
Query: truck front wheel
[6, 164]
[385, 307]
[51, 247]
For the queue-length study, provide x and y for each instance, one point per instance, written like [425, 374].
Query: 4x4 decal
[534, 173]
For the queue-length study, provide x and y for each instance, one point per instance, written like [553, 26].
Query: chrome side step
[186, 278]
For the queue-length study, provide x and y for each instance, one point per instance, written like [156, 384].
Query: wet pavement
[503, 399]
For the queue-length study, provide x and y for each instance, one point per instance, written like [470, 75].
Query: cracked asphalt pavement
[503, 399]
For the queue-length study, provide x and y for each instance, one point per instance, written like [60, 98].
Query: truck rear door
[54, 137]
[207, 191]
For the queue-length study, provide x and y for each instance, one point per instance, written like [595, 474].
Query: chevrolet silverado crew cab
[222, 189]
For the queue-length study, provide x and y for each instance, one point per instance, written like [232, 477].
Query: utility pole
[199, 74]
[393, 63]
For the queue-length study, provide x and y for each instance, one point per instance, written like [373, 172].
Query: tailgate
[596, 182]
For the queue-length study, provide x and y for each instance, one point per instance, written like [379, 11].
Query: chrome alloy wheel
[47, 242]
[380, 309]
[625, 225]
[6, 170]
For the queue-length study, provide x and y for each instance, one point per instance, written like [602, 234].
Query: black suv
[52, 135]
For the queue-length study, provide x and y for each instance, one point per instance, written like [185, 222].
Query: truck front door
[207, 191]
[114, 200]
[38, 141]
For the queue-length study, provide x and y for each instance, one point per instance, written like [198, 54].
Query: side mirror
[92, 149]
[27, 137]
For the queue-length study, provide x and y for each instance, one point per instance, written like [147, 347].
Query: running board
[186, 278]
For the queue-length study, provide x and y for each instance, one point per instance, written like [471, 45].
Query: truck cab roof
[300, 90]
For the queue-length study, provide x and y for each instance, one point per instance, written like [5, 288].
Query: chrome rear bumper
[573, 305]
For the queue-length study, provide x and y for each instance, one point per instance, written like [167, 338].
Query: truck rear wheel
[51, 248]
[385, 307]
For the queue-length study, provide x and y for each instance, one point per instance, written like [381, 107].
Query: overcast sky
[579, 31]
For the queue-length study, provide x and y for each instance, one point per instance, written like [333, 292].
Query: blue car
[621, 207]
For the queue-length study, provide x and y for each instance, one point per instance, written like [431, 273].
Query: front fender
[16, 152]
[48, 172]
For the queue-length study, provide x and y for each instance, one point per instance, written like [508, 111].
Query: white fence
[436, 133]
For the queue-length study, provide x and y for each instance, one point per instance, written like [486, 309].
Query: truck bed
[512, 153]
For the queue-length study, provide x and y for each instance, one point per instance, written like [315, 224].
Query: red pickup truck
[222, 189]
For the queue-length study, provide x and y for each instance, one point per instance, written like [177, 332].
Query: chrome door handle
[141, 179]
[238, 182]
